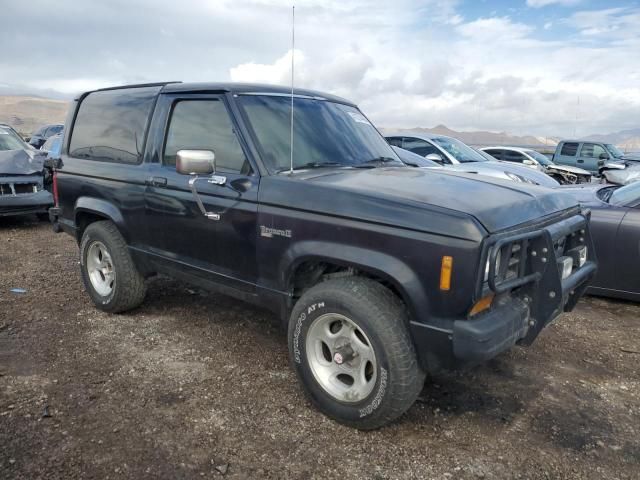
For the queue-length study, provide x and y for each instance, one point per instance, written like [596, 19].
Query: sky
[541, 67]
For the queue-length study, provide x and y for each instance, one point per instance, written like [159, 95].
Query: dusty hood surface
[19, 162]
[496, 204]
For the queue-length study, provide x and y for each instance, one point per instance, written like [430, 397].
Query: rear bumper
[25, 204]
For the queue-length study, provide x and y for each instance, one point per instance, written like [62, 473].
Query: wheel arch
[387, 269]
[88, 210]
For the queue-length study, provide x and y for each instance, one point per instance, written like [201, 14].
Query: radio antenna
[293, 49]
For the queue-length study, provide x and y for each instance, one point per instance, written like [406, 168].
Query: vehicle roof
[517, 149]
[583, 140]
[409, 133]
[232, 87]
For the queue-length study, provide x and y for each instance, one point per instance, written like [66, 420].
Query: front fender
[384, 266]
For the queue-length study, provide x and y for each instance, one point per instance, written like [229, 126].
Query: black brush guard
[536, 278]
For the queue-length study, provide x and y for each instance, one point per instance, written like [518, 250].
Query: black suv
[381, 271]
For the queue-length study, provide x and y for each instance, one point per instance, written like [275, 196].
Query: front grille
[13, 189]
[521, 259]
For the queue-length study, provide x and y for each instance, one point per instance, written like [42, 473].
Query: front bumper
[524, 304]
[25, 204]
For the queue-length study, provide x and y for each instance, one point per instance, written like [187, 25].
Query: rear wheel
[350, 347]
[108, 272]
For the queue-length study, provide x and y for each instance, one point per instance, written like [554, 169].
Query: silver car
[566, 175]
[453, 154]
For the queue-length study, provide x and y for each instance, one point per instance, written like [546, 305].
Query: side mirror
[195, 162]
[604, 156]
[435, 157]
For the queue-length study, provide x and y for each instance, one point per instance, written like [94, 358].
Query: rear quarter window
[569, 149]
[110, 125]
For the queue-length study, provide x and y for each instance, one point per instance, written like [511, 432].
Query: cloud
[544, 3]
[407, 63]
[494, 29]
[612, 22]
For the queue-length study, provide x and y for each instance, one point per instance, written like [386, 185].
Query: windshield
[458, 150]
[325, 133]
[614, 151]
[542, 159]
[627, 195]
[9, 140]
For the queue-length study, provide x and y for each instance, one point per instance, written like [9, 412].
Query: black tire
[382, 317]
[129, 288]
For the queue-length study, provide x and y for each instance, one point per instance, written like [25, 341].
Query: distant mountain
[627, 140]
[483, 137]
[27, 113]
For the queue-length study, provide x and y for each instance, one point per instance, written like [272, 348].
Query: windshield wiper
[310, 165]
[377, 162]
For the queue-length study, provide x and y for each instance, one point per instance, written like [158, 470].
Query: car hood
[497, 169]
[20, 162]
[623, 176]
[565, 168]
[585, 193]
[369, 193]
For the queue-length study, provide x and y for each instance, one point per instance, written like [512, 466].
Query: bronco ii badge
[270, 232]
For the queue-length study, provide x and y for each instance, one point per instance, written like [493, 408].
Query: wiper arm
[378, 161]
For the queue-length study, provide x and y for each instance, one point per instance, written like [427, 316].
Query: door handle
[156, 181]
[580, 161]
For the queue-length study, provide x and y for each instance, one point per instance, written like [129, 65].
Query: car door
[627, 276]
[605, 225]
[423, 148]
[568, 154]
[591, 156]
[221, 247]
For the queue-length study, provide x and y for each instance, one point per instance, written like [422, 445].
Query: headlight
[486, 269]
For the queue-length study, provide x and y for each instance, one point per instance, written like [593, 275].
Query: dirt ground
[193, 385]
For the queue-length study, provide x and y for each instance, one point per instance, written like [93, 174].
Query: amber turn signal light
[445, 273]
[481, 305]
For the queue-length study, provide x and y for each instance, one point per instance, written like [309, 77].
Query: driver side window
[513, 156]
[205, 125]
[419, 146]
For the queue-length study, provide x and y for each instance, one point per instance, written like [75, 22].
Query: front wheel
[350, 347]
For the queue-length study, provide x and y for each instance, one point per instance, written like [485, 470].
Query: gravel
[193, 385]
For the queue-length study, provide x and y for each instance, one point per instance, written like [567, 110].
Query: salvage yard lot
[193, 385]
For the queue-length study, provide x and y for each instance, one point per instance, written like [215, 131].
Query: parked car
[413, 159]
[615, 226]
[530, 158]
[591, 156]
[22, 172]
[453, 154]
[620, 174]
[53, 146]
[41, 135]
[382, 272]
